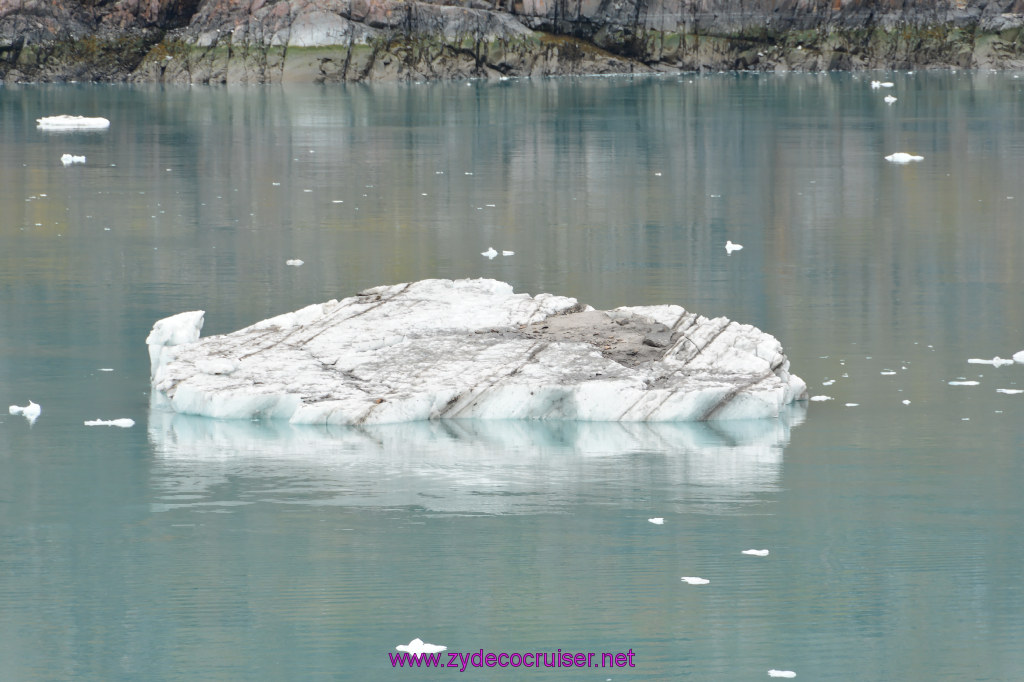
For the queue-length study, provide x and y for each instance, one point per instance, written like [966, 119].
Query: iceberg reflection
[466, 466]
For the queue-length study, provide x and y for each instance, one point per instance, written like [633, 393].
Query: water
[189, 549]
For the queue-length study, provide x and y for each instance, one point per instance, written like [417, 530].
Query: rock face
[256, 41]
[441, 349]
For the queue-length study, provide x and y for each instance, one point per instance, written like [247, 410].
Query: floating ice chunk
[508, 253]
[65, 122]
[489, 253]
[1019, 356]
[876, 84]
[1010, 391]
[906, 402]
[105, 369]
[31, 411]
[903, 157]
[122, 423]
[657, 521]
[418, 646]
[423, 350]
[730, 247]
[68, 159]
[852, 404]
[820, 398]
[963, 382]
[295, 262]
[889, 99]
[887, 373]
[781, 673]
[828, 382]
[755, 552]
[692, 580]
[995, 362]
[886, 84]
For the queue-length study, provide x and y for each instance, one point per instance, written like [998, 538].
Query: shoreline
[333, 41]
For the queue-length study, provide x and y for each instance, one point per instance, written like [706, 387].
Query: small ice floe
[295, 262]
[657, 521]
[68, 159]
[995, 362]
[692, 580]
[508, 253]
[657, 174]
[963, 382]
[903, 157]
[820, 398]
[105, 369]
[876, 84]
[1019, 356]
[755, 552]
[1010, 391]
[122, 423]
[31, 411]
[489, 253]
[418, 646]
[852, 404]
[730, 247]
[781, 673]
[828, 382]
[887, 372]
[906, 402]
[888, 99]
[65, 122]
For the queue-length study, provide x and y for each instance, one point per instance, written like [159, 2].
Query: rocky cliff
[259, 41]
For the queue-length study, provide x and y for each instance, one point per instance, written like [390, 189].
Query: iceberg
[903, 157]
[471, 349]
[65, 122]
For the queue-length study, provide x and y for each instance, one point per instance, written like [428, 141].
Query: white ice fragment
[68, 159]
[889, 99]
[65, 122]
[337, 201]
[657, 174]
[489, 253]
[963, 382]
[692, 580]
[781, 673]
[1019, 356]
[995, 362]
[31, 411]
[906, 402]
[418, 646]
[276, 184]
[349, 361]
[876, 84]
[755, 552]
[887, 373]
[508, 253]
[820, 398]
[122, 423]
[852, 404]
[903, 157]
[657, 521]
[1009, 391]
[105, 369]
[296, 262]
[828, 382]
[730, 246]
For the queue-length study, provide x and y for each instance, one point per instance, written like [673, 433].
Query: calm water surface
[192, 549]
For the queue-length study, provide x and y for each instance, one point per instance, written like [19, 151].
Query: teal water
[192, 549]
